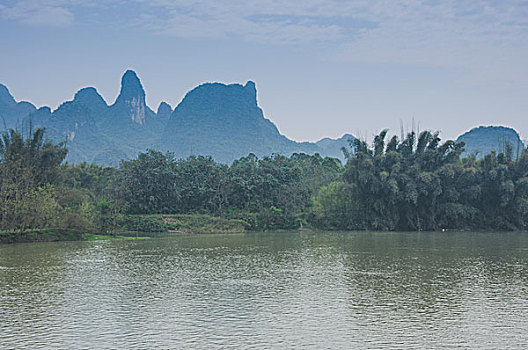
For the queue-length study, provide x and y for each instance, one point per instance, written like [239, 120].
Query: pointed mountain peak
[131, 85]
[164, 109]
[132, 97]
[90, 97]
[5, 96]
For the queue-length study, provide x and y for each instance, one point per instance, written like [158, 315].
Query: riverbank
[51, 236]
[39, 235]
[134, 227]
[152, 225]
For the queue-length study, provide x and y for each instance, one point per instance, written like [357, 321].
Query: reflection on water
[319, 290]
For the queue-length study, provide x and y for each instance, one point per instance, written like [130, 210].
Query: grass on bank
[183, 223]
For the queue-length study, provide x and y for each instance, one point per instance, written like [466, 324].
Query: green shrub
[273, 218]
[142, 223]
[204, 223]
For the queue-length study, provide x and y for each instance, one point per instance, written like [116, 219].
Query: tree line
[415, 183]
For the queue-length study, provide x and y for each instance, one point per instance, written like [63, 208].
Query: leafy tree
[28, 168]
[200, 185]
[147, 183]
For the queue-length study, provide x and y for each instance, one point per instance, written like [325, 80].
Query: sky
[322, 67]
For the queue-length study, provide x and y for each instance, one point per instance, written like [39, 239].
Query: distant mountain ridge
[11, 112]
[223, 121]
[486, 139]
[220, 120]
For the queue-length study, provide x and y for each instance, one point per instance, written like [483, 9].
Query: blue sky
[322, 68]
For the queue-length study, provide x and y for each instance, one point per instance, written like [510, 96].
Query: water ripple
[272, 290]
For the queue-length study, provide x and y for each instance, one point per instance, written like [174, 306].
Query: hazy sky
[322, 67]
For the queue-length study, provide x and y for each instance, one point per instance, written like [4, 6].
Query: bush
[142, 223]
[204, 223]
[273, 218]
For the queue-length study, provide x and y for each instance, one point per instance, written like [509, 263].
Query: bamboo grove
[420, 183]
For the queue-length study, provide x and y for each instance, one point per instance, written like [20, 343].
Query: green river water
[268, 290]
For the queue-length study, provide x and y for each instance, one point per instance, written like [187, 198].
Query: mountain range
[215, 119]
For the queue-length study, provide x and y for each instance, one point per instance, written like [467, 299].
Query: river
[268, 290]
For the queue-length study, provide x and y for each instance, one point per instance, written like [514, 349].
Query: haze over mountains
[220, 120]
[215, 119]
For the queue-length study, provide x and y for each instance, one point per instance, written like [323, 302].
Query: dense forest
[414, 183]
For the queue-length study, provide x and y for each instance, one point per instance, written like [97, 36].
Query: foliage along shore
[131, 227]
[414, 184]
